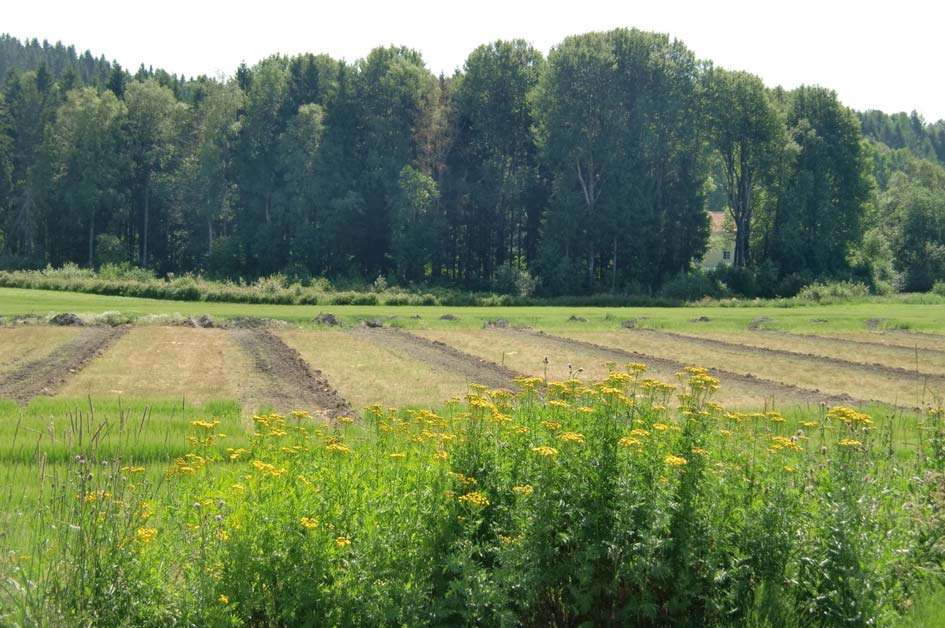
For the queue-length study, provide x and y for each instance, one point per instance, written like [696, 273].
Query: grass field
[152, 447]
[804, 318]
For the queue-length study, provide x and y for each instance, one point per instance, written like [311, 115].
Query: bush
[843, 290]
[692, 286]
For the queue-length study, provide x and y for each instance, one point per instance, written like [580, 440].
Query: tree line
[589, 170]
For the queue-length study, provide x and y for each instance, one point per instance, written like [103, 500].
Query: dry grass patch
[526, 353]
[159, 362]
[366, 373]
[836, 380]
[839, 348]
[906, 339]
[21, 345]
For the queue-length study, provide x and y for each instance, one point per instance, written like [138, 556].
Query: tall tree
[748, 133]
[154, 122]
[496, 116]
[828, 187]
[87, 163]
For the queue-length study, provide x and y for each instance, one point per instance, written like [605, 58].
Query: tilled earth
[44, 376]
[284, 379]
[440, 356]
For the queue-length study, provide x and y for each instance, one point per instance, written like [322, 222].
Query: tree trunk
[92, 241]
[613, 278]
[209, 236]
[147, 220]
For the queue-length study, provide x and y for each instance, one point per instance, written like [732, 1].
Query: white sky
[876, 55]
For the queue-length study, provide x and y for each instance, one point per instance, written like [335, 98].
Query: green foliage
[561, 504]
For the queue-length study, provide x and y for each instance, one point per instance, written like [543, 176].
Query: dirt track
[44, 376]
[764, 387]
[876, 369]
[284, 379]
[440, 355]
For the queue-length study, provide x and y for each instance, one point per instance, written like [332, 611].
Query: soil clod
[449, 317]
[66, 319]
[329, 319]
[576, 319]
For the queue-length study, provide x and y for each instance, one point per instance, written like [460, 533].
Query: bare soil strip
[441, 356]
[284, 379]
[876, 369]
[765, 387]
[45, 375]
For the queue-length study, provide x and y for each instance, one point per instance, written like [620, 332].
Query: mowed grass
[832, 379]
[894, 339]
[16, 301]
[21, 345]
[526, 354]
[903, 357]
[365, 373]
[160, 362]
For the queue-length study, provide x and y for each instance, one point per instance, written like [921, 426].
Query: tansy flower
[675, 461]
[545, 451]
[309, 522]
[475, 497]
[572, 437]
[525, 489]
[342, 541]
[146, 535]
[223, 599]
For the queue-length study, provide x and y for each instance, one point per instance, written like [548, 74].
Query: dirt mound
[441, 356]
[373, 323]
[700, 319]
[873, 324]
[449, 317]
[329, 319]
[631, 323]
[284, 379]
[500, 323]
[576, 319]
[199, 322]
[820, 320]
[758, 322]
[248, 322]
[66, 319]
[44, 376]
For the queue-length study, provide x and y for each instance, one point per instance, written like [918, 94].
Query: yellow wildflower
[675, 461]
[342, 541]
[475, 497]
[146, 535]
[309, 522]
[545, 451]
[223, 599]
[629, 441]
[525, 489]
[572, 437]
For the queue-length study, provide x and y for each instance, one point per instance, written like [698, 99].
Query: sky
[876, 55]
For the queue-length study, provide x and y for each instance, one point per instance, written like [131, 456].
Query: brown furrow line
[812, 357]
[44, 376]
[750, 380]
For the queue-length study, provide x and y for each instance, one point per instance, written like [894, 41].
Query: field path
[910, 350]
[43, 376]
[440, 355]
[822, 360]
[765, 387]
[284, 379]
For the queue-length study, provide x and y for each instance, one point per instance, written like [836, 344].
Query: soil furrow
[873, 369]
[44, 376]
[440, 355]
[827, 340]
[765, 387]
[284, 380]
